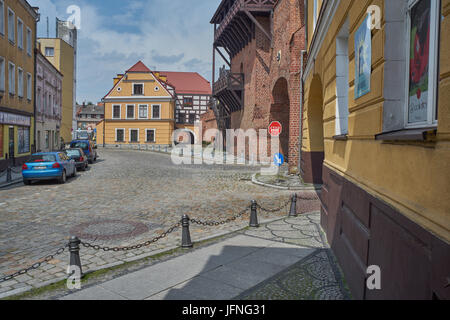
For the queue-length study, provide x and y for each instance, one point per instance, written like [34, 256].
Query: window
[19, 33]
[2, 73]
[29, 86]
[130, 111]
[24, 139]
[342, 79]
[11, 27]
[134, 135]
[2, 17]
[116, 112]
[150, 135]
[20, 82]
[29, 41]
[192, 118]
[143, 111]
[138, 89]
[315, 13]
[49, 51]
[156, 112]
[12, 78]
[120, 135]
[423, 29]
[188, 102]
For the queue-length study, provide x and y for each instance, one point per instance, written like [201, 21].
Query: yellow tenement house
[139, 110]
[376, 133]
[17, 65]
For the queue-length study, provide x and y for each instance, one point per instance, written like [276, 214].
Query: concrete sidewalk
[246, 265]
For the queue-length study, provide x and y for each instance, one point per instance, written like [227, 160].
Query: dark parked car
[88, 147]
[77, 154]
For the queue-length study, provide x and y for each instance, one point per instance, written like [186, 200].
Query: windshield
[82, 145]
[43, 158]
[73, 153]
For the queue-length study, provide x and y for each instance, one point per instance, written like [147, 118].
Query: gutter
[300, 142]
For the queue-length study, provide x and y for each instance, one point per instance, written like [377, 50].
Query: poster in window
[419, 61]
[24, 139]
[363, 58]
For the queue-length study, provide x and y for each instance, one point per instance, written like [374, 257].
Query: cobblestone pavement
[316, 277]
[127, 197]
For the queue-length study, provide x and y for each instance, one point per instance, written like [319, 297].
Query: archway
[279, 111]
[313, 148]
[185, 136]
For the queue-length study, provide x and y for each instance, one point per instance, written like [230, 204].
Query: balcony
[235, 22]
[229, 90]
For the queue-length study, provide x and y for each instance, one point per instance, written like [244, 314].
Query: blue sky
[172, 35]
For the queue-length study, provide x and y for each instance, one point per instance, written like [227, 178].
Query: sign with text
[275, 129]
[14, 119]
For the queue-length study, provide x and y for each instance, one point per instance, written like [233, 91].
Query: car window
[43, 158]
[82, 145]
[73, 153]
[62, 156]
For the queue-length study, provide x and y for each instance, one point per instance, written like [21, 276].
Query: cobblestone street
[127, 197]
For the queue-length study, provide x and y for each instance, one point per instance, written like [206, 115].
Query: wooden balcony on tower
[229, 90]
[235, 22]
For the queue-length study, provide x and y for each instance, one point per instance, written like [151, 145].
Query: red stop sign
[275, 129]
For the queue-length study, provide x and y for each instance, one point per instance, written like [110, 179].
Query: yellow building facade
[17, 44]
[376, 133]
[139, 110]
[62, 56]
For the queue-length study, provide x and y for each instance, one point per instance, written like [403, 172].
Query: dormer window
[138, 89]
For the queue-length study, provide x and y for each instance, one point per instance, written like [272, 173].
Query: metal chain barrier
[217, 223]
[2, 173]
[19, 170]
[274, 210]
[35, 265]
[133, 247]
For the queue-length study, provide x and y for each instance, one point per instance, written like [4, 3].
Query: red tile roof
[187, 82]
[139, 67]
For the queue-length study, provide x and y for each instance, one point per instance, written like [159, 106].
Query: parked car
[48, 166]
[77, 154]
[89, 148]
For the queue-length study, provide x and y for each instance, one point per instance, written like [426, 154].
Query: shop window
[24, 139]
[423, 30]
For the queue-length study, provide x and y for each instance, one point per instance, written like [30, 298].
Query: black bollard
[293, 211]
[8, 174]
[254, 215]
[185, 235]
[74, 249]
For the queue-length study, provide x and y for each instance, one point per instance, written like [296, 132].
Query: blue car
[48, 166]
[89, 149]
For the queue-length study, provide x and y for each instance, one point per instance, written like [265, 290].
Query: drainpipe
[300, 142]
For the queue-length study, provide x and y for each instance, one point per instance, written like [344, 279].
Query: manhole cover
[109, 229]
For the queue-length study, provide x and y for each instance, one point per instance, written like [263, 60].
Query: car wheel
[26, 182]
[63, 178]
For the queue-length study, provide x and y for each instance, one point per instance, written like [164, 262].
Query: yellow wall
[413, 177]
[152, 96]
[63, 60]
[20, 58]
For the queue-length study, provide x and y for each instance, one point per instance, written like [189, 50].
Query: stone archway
[280, 111]
[313, 148]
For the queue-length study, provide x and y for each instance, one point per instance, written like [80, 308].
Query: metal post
[254, 215]
[181, 152]
[8, 174]
[165, 149]
[159, 148]
[185, 235]
[293, 211]
[74, 249]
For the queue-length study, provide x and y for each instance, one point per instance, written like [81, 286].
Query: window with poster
[24, 139]
[423, 22]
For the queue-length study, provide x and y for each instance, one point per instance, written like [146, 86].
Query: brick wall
[267, 79]
[208, 121]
